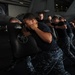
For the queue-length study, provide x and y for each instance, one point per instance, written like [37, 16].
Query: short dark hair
[49, 15]
[61, 18]
[29, 16]
[55, 17]
[41, 13]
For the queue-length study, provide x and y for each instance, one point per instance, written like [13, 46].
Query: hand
[33, 27]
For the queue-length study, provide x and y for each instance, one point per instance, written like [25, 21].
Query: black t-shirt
[43, 21]
[61, 33]
[42, 44]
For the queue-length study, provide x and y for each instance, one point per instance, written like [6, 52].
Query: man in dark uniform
[69, 33]
[63, 39]
[48, 22]
[49, 19]
[40, 17]
[51, 55]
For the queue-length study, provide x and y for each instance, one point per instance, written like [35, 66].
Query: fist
[33, 27]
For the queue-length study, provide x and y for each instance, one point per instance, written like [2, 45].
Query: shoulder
[43, 27]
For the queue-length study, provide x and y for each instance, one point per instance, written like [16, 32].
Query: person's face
[41, 16]
[50, 18]
[29, 22]
[55, 21]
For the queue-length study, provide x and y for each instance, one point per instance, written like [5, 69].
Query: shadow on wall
[2, 11]
[3, 8]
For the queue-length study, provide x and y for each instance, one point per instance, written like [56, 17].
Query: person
[69, 33]
[51, 56]
[72, 24]
[73, 27]
[62, 37]
[49, 19]
[48, 22]
[40, 17]
[28, 65]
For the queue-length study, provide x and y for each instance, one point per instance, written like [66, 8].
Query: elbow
[49, 40]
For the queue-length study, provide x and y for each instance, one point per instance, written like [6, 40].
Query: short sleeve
[44, 27]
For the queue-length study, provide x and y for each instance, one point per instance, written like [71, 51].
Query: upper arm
[47, 32]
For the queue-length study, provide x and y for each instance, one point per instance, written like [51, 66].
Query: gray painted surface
[40, 5]
[50, 6]
[16, 10]
[71, 11]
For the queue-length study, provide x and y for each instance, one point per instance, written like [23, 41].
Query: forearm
[45, 36]
[62, 27]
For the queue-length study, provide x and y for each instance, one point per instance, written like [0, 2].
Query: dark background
[4, 8]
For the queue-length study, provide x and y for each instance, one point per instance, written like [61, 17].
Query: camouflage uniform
[45, 62]
[51, 56]
[64, 43]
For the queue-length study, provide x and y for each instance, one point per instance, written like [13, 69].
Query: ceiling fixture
[46, 10]
[21, 2]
